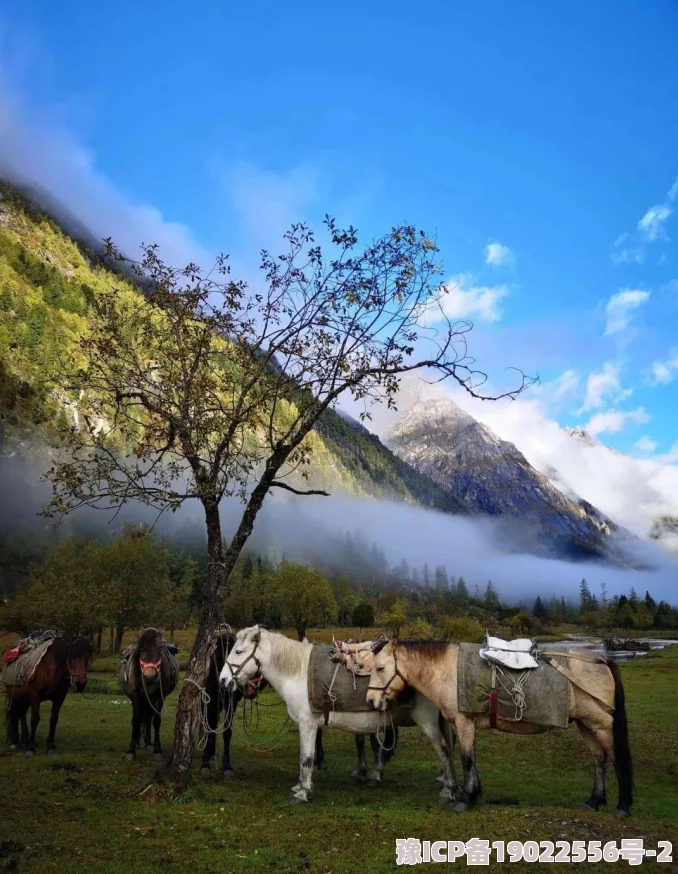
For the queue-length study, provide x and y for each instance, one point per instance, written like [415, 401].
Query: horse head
[387, 680]
[149, 651]
[242, 664]
[79, 655]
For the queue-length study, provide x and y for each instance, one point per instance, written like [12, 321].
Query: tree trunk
[219, 566]
[110, 639]
[117, 643]
[301, 632]
[98, 640]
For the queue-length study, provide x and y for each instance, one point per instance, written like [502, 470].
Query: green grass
[82, 811]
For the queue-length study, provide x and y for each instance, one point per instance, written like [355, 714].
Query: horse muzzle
[79, 685]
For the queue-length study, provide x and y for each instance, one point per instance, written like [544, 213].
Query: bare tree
[204, 388]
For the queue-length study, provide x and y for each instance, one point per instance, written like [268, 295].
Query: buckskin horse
[148, 676]
[284, 663]
[63, 666]
[595, 703]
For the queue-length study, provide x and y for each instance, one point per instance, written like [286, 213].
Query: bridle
[155, 665]
[250, 657]
[396, 673]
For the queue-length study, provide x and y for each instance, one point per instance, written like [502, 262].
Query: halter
[249, 658]
[154, 665]
[396, 673]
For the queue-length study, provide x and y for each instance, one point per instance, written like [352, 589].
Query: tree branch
[287, 488]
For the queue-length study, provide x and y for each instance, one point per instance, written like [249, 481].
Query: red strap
[493, 708]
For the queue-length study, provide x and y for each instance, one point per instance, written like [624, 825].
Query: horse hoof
[158, 757]
[130, 757]
[620, 812]
[444, 800]
[229, 772]
[357, 780]
[52, 752]
[205, 771]
[14, 747]
[373, 783]
[29, 754]
[294, 799]
[148, 747]
[460, 807]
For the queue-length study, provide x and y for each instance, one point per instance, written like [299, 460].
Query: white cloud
[498, 255]
[630, 248]
[611, 421]
[651, 225]
[464, 300]
[566, 384]
[49, 156]
[664, 372]
[603, 385]
[645, 445]
[620, 308]
[625, 251]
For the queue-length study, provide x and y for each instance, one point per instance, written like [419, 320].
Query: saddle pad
[321, 671]
[21, 670]
[546, 690]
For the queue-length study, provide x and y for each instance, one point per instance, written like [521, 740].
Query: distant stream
[596, 645]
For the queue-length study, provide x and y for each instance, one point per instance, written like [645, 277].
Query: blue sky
[545, 131]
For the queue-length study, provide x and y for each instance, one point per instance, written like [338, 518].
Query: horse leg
[442, 736]
[227, 734]
[307, 735]
[53, 719]
[472, 789]
[380, 757]
[359, 776]
[147, 730]
[319, 751]
[598, 795]
[136, 729]
[35, 719]
[157, 747]
[604, 738]
[24, 726]
[12, 720]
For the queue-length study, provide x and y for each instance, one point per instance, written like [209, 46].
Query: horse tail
[620, 736]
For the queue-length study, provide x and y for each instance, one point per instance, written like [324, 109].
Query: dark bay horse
[219, 711]
[63, 666]
[148, 676]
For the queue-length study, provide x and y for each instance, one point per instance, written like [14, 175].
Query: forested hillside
[48, 283]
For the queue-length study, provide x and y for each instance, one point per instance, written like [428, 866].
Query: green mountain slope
[48, 282]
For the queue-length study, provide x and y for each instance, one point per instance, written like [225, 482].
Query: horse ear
[257, 634]
[379, 645]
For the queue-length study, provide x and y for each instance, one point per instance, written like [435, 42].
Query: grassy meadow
[87, 809]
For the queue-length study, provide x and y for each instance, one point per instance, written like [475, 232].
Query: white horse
[284, 663]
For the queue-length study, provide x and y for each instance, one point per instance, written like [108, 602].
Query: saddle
[353, 655]
[25, 657]
[516, 655]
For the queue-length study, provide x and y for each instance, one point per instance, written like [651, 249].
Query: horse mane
[432, 650]
[287, 655]
[81, 646]
[146, 637]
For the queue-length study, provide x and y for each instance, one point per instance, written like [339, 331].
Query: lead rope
[516, 692]
[384, 748]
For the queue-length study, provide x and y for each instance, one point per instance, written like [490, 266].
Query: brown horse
[595, 704]
[64, 666]
[147, 677]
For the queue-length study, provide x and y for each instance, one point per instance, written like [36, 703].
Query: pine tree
[491, 599]
[539, 610]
